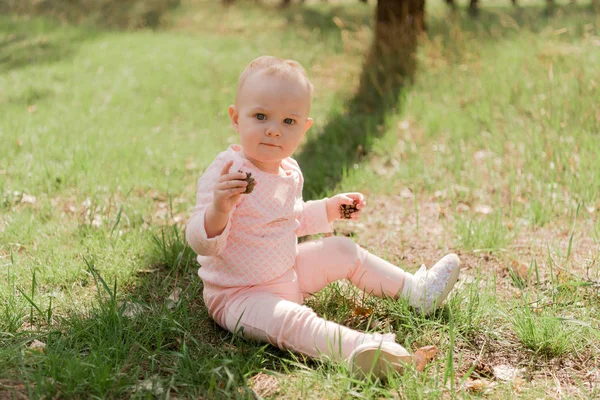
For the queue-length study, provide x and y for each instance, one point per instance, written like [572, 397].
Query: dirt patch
[11, 390]
[264, 385]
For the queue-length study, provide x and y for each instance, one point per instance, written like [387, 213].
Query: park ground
[491, 152]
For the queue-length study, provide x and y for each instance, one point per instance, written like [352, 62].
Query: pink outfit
[259, 241]
[256, 276]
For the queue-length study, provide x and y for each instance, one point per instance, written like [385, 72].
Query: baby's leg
[321, 262]
[269, 318]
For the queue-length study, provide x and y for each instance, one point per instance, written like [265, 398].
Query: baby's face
[271, 116]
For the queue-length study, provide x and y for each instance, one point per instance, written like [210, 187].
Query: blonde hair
[274, 66]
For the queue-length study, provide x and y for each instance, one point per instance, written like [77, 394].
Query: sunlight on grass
[104, 134]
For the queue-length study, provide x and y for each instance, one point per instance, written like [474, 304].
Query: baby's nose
[272, 131]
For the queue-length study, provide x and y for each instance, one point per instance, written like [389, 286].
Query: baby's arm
[228, 190]
[208, 227]
[313, 218]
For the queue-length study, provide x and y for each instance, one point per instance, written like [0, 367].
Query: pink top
[260, 239]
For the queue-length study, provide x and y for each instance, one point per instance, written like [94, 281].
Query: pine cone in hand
[251, 182]
[346, 210]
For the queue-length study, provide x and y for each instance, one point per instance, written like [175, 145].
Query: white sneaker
[378, 359]
[431, 286]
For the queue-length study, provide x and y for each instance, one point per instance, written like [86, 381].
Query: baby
[256, 275]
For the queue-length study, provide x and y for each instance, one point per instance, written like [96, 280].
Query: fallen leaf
[173, 299]
[424, 355]
[133, 310]
[338, 22]
[483, 209]
[505, 372]
[519, 269]
[32, 108]
[476, 385]
[404, 125]
[26, 198]
[461, 207]
[190, 164]
[264, 385]
[152, 385]
[406, 193]
[37, 346]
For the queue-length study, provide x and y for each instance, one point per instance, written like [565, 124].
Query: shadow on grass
[505, 22]
[25, 42]
[34, 32]
[349, 137]
[152, 339]
[114, 14]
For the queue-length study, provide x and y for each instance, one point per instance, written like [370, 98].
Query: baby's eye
[289, 121]
[261, 117]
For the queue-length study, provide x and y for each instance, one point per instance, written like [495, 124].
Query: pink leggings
[273, 312]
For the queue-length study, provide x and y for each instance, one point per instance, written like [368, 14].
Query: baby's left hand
[334, 203]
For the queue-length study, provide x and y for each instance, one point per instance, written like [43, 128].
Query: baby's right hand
[228, 190]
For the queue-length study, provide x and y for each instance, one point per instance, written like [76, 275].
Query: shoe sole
[378, 359]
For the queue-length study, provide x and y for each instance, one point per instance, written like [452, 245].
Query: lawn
[492, 152]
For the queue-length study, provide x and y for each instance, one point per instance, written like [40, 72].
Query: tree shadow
[112, 14]
[147, 339]
[349, 136]
[506, 22]
[34, 42]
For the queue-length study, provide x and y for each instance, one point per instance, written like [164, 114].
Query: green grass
[104, 133]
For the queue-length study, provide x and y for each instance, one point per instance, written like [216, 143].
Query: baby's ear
[308, 124]
[233, 114]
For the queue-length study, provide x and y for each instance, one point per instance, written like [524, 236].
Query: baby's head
[289, 72]
[271, 111]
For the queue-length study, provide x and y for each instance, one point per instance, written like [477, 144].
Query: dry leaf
[190, 164]
[505, 372]
[483, 209]
[32, 108]
[338, 22]
[132, 310]
[461, 207]
[424, 355]
[519, 269]
[264, 385]
[476, 385]
[26, 198]
[152, 385]
[404, 125]
[361, 311]
[37, 346]
[173, 299]
[406, 193]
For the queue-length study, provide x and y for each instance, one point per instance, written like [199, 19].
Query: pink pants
[273, 312]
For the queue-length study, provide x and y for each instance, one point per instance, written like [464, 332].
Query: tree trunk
[399, 23]
[473, 8]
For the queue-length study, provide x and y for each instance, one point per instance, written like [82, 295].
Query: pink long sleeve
[195, 231]
[260, 239]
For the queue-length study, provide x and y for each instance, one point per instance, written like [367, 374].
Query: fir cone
[251, 182]
[346, 210]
